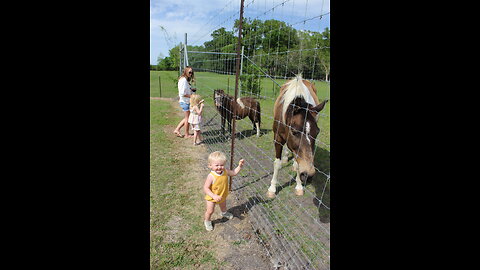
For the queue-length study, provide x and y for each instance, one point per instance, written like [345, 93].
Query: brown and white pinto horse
[243, 107]
[295, 123]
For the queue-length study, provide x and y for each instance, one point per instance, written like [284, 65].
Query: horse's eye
[296, 132]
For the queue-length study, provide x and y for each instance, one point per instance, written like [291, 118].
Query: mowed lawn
[177, 235]
[189, 249]
[206, 82]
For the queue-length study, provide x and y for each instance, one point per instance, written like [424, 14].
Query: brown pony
[295, 123]
[243, 107]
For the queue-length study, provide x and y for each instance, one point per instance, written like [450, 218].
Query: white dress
[195, 119]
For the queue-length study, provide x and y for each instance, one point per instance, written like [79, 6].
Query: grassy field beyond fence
[207, 81]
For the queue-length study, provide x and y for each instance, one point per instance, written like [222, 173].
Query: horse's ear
[315, 110]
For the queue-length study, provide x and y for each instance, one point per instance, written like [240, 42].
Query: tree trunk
[326, 71]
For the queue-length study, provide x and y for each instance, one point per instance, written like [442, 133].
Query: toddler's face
[217, 166]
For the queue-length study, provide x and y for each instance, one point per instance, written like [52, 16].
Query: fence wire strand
[293, 230]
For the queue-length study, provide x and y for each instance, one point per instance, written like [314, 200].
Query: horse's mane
[295, 88]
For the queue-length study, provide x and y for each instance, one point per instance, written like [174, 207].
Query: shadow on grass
[322, 184]
[319, 181]
[243, 208]
[255, 180]
[216, 136]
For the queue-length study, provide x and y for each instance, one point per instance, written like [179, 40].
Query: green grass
[206, 82]
[190, 248]
[169, 83]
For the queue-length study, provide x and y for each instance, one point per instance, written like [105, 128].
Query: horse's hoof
[270, 194]
[299, 192]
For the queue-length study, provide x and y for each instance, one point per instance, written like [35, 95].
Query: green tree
[325, 53]
[175, 57]
[223, 41]
[166, 64]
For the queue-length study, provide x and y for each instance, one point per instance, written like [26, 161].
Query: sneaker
[208, 225]
[227, 215]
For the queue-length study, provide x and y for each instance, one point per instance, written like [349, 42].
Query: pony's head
[217, 97]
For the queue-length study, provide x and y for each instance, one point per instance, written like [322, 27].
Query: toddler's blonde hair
[194, 100]
[216, 156]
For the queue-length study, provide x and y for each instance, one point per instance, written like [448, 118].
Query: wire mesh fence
[280, 39]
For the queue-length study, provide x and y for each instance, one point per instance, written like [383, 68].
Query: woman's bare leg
[187, 125]
[179, 126]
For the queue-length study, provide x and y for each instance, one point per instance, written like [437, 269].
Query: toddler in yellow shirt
[216, 186]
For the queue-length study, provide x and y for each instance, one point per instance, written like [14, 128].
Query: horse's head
[301, 122]
[217, 97]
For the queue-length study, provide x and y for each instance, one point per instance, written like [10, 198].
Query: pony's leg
[299, 186]
[222, 123]
[230, 122]
[277, 164]
[256, 125]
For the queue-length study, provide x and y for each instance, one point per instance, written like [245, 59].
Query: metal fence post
[241, 67]
[237, 75]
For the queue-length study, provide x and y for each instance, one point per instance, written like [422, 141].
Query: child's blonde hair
[194, 100]
[216, 156]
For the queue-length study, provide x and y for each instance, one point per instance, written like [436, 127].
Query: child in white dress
[195, 118]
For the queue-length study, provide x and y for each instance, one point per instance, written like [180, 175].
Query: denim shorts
[185, 106]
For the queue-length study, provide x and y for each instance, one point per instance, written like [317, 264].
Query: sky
[171, 19]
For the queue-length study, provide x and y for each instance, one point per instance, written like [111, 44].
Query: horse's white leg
[258, 129]
[277, 164]
[285, 155]
[295, 166]
[299, 186]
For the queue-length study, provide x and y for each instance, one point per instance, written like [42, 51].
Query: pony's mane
[239, 100]
[294, 88]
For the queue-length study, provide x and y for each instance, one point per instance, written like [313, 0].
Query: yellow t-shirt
[219, 186]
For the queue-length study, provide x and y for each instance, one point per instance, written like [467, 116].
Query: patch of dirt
[175, 225]
[163, 98]
[235, 242]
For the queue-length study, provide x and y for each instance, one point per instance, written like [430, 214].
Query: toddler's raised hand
[240, 163]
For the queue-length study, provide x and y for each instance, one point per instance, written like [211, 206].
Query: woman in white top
[184, 92]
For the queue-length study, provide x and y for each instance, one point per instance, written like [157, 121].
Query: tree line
[275, 47]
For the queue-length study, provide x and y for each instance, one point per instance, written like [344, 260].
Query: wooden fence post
[160, 85]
